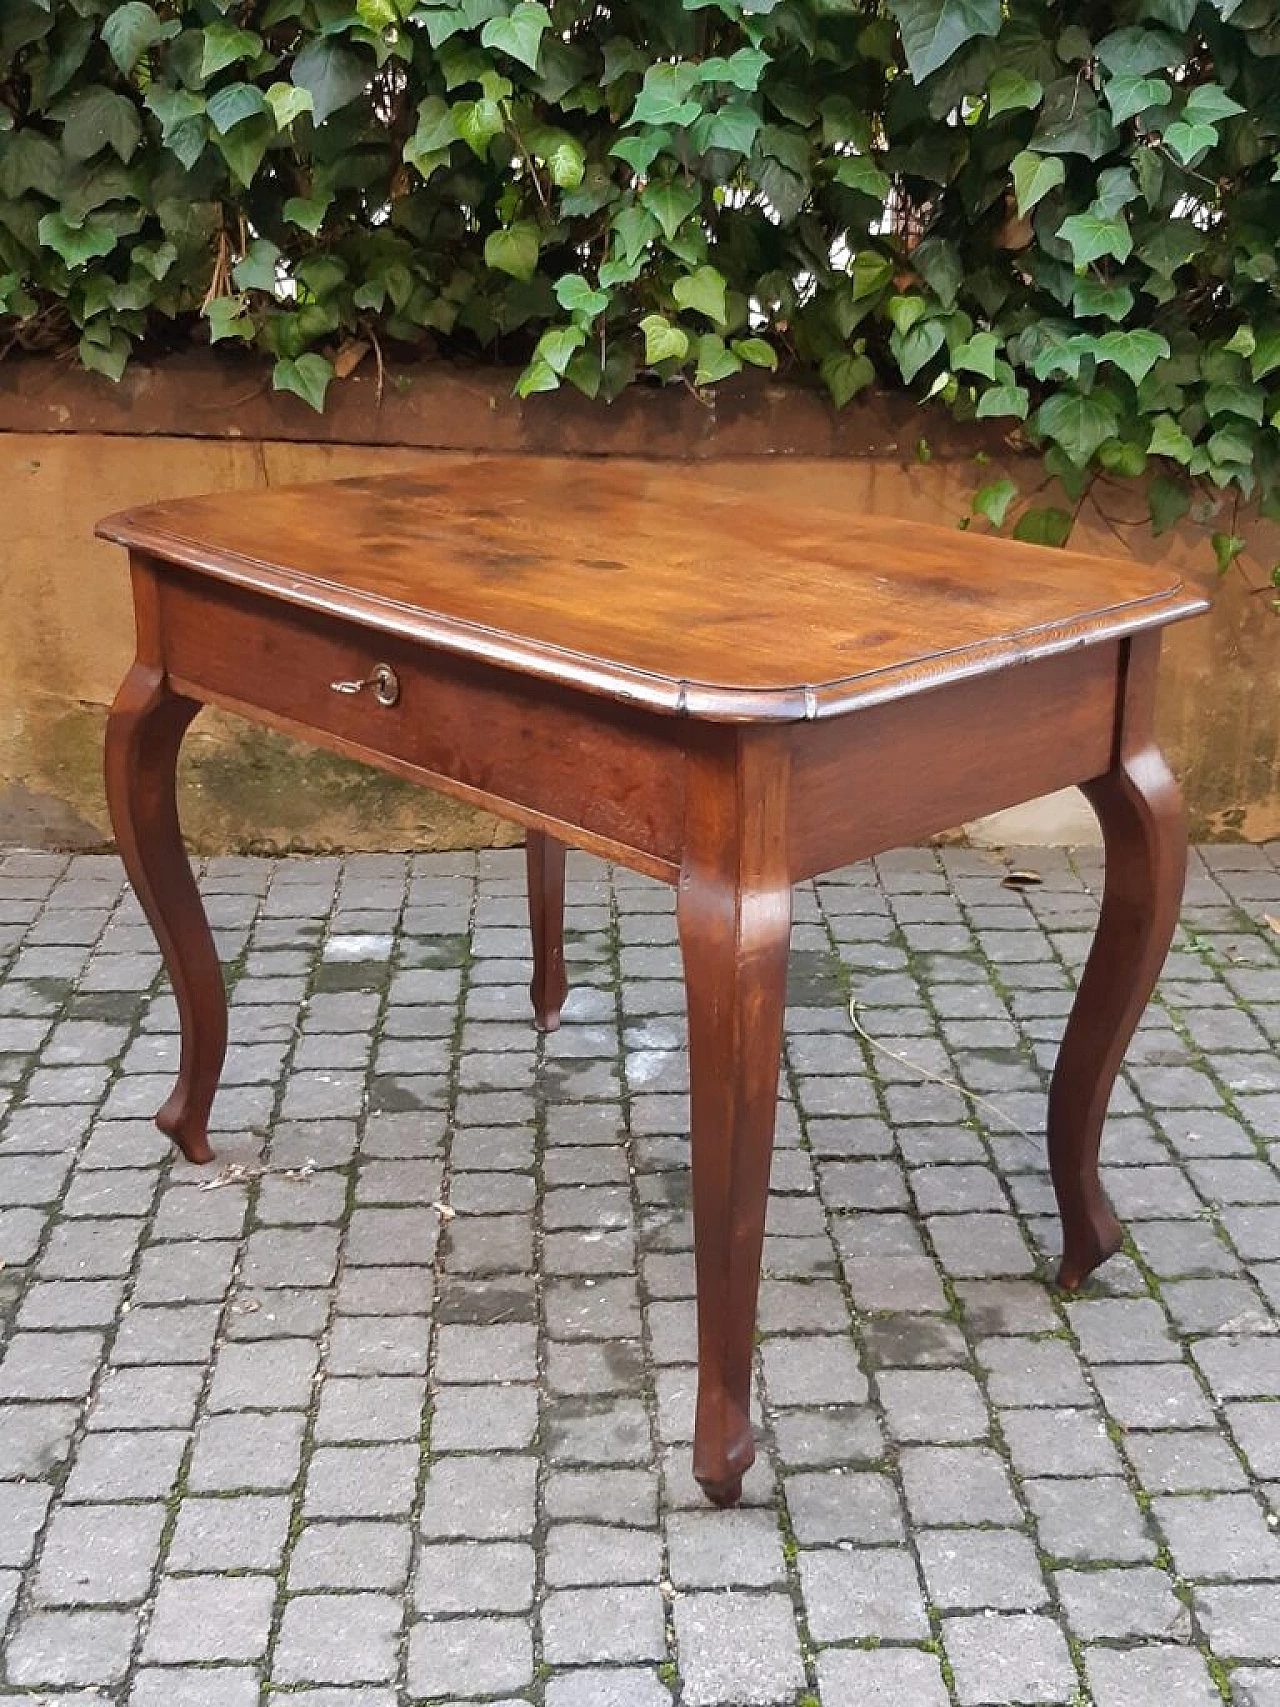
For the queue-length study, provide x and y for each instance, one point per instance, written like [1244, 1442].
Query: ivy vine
[1060, 217]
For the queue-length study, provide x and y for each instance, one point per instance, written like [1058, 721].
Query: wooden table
[721, 675]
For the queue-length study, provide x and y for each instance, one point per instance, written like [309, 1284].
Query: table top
[744, 590]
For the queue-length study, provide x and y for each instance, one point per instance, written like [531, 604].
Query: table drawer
[489, 735]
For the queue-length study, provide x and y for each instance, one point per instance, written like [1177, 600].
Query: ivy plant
[1061, 218]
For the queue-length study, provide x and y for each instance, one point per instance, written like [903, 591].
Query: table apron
[608, 777]
[895, 773]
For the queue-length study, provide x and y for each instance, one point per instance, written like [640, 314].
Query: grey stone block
[96, 1555]
[200, 1620]
[474, 1576]
[464, 1655]
[1009, 1657]
[337, 1638]
[861, 1593]
[737, 1650]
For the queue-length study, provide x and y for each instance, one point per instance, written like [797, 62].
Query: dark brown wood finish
[720, 676]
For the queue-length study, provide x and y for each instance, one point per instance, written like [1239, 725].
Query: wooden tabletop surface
[740, 590]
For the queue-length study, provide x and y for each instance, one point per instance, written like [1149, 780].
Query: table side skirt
[601, 775]
[896, 773]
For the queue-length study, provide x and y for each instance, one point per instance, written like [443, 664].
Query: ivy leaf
[671, 204]
[98, 118]
[1129, 96]
[287, 103]
[976, 355]
[514, 250]
[437, 129]
[234, 104]
[662, 341]
[743, 69]
[993, 501]
[860, 172]
[538, 376]
[307, 376]
[576, 297]
[1009, 91]
[557, 345]
[332, 74]
[566, 163]
[1136, 52]
[1208, 103]
[1003, 400]
[756, 351]
[1168, 439]
[131, 29]
[105, 350]
[1227, 398]
[1079, 424]
[519, 35]
[1266, 355]
[715, 360]
[1187, 142]
[227, 319]
[846, 374]
[1135, 352]
[869, 274]
[1090, 236]
[1045, 525]
[704, 291]
[1091, 296]
[77, 244]
[664, 97]
[733, 127]
[259, 269]
[225, 44]
[29, 161]
[1034, 175]
[934, 30]
[476, 122]
[1226, 548]
[914, 348]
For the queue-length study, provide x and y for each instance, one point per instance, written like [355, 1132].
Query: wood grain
[713, 595]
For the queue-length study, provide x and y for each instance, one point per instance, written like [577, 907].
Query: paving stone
[71, 1648]
[1092, 1518]
[337, 1638]
[1149, 1676]
[245, 1532]
[96, 1555]
[487, 1498]
[737, 1650]
[835, 1506]
[710, 1549]
[586, 1626]
[967, 1568]
[203, 1619]
[623, 1687]
[195, 1686]
[469, 1655]
[1006, 1657]
[886, 1677]
[1122, 1605]
[1241, 1620]
[957, 1485]
[583, 1554]
[861, 1593]
[1218, 1535]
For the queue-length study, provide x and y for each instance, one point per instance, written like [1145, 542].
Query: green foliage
[1059, 219]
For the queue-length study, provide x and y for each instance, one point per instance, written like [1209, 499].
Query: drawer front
[488, 734]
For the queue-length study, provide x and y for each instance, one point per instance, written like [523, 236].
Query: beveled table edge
[628, 684]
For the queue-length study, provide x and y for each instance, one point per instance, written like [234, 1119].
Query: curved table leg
[1139, 806]
[144, 733]
[544, 860]
[734, 941]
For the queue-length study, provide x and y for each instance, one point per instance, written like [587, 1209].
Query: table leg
[144, 733]
[544, 860]
[734, 938]
[1139, 807]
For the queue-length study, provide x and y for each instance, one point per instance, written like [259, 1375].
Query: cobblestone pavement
[283, 1433]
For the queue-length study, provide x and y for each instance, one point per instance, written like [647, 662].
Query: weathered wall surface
[73, 449]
